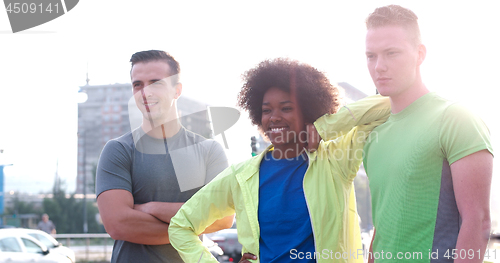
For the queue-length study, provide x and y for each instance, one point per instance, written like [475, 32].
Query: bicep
[471, 182]
[114, 168]
[113, 203]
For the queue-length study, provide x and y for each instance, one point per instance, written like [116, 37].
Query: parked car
[213, 248]
[227, 240]
[51, 243]
[18, 247]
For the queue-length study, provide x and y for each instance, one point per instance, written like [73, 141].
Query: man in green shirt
[430, 165]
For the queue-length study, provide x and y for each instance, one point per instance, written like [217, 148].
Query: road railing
[88, 247]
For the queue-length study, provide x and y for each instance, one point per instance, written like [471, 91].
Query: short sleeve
[113, 168]
[216, 161]
[462, 133]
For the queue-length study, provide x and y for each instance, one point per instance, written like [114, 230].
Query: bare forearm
[163, 211]
[138, 227]
[472, 240]
[122, 222]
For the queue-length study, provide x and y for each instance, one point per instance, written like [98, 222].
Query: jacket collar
[251, 168]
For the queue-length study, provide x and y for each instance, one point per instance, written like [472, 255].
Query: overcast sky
[215, 42]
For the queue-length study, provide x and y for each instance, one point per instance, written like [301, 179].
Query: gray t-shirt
[46, 226]
[170, 170]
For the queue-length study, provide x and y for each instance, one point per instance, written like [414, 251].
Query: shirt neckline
[142, 134]
[413, 107]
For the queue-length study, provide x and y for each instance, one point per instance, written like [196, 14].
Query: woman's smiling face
[282, 121]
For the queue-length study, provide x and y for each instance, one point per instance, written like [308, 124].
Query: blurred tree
[21, 207]
[66, 211]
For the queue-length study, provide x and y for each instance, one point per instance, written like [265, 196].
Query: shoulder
[462, 132]
[126, 139]
[252, 162]
[244, 169]
[448, 107]
[121, 146]
[459, 111]
[455, 113]
[450, 113]
[456, 116]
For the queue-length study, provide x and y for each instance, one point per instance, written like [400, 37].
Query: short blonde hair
[398, 16]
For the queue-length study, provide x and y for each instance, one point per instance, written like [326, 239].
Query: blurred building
[105, 115]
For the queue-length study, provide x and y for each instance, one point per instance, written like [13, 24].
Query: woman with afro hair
[296, 199]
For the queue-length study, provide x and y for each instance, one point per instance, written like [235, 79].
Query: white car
[51, 243]
[227, 239]
[213, 248]
[18, 247]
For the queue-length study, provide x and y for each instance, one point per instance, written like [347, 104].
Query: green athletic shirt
[407, 160]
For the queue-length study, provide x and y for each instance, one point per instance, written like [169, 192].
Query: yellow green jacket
[328, 188]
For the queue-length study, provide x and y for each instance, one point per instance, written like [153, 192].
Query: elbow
[486, 226]
[480, 222]
[173, 227]
[115, 231]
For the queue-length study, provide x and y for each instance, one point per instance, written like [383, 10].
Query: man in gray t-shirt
[144, 176]
[46, 225]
